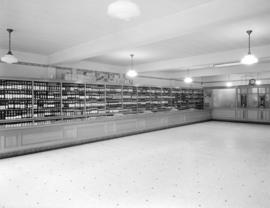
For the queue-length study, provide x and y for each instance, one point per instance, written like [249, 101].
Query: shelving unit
[156, 98]
[129, 99]
[38, 102]
[197, 97]
[244, 103]
[253, 97]
[176, 98]
[73, 99]
[15, 99]
[95, 100]
[114, 99]
[47, 99]
[167, 98]
[144, 99]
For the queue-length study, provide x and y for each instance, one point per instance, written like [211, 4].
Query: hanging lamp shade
[9, 58]
[188, 80]
[131, 72]
[249, 59]
[123, 9]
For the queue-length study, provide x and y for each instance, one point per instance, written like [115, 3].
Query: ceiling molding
[202, 61]
[241, 69]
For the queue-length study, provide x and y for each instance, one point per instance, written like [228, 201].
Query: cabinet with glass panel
[73, 99]
[114, 99]
[129, 95]
[47, 99]
[95, 104]
[144, 98]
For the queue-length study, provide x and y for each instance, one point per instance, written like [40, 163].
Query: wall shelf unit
[38, 102]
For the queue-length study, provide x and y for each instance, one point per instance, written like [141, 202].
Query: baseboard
[241, 121]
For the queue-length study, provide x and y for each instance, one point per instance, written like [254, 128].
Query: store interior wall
[202, 77]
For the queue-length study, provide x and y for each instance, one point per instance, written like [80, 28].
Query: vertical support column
[33, 100]
[84, 101]
[2, 143]
[259, 117]
[136, 99]
[150, 96]
[105, 97]
[161, 97]
[61, 100]
[122, 87]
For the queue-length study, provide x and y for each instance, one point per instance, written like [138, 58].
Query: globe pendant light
[131, 72]
[188, 79]
[9, 58]
[249, 59]
[228, 83]
[123, 9]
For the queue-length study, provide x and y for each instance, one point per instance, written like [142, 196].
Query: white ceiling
[48, 26]
[71, 31]
[220, 37]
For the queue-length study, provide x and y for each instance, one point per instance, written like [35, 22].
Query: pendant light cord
[249, 32]
[131, 61]
[9, 40]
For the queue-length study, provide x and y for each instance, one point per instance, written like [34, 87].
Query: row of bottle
[95, 104]
[39, 113]
[15, 85]
[129, 91]
[72, 113]
[99, 90]
[46, 95]
[73, 105]
[15, 114]
[72, 88]
[15, 105]
[114, 89]
[14, 125]
[129, 97]
[98, 97]
[73, 97]
[114, 96]
[129, 103]
[41, 105]
[43, 86]
[95, 112]
[17, 94]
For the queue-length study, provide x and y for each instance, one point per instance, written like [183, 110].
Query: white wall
[43, 72]
[236, 79]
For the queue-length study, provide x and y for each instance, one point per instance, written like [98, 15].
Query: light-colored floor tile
[212, 165]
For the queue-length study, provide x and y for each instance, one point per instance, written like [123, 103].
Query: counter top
[85, 120]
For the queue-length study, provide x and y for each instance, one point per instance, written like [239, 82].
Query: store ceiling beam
[171, 26]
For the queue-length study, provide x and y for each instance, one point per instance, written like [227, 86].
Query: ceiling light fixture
[123, 9]
[229, 84]
[258, 82]
[249, 59]
[131, 72]
[9, 58]
[188, 79]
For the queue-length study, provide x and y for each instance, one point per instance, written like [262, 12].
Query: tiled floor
[213, 165]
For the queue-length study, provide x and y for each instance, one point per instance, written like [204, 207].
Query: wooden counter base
[20, 141]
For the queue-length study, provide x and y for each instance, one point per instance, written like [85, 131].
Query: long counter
[256, 115]
[24, 140]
